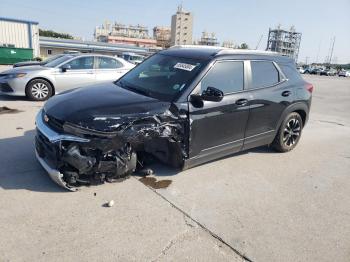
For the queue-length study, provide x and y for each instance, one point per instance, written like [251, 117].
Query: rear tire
[288, 134]
[39, 90]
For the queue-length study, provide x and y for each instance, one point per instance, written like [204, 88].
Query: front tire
[289, 133]
[39, 90]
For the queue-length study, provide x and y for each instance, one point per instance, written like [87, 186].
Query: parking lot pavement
[265, 205]
[39, 221]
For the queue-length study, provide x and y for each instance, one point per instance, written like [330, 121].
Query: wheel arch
[301, 108]
[42, 78]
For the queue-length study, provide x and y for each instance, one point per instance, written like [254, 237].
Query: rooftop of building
[7, 19]
[89, 45]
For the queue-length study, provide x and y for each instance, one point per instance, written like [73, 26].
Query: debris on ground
[19, 128]
[145, 172]
[152, 182]
[110, 203]
[7, 110]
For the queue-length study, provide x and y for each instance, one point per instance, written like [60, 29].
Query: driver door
[217, 128]
[80, 73]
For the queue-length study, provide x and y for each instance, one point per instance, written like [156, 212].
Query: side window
[86, 62]
[108, 63]
[264, 74]
[290, 71]
[227, 76]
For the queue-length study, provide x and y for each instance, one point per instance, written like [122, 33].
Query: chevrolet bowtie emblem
[46, 118]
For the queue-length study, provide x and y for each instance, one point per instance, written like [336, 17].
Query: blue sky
[240, 21]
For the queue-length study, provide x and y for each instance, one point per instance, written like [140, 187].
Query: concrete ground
[257, 205]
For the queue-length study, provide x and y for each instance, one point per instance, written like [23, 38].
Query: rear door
[218, 127]
[271, 94]
[108, 69]
[81, 73]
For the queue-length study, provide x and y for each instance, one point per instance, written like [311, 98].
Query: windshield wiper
[133, 89]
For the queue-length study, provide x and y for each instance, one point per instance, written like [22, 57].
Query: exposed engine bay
[109, 148]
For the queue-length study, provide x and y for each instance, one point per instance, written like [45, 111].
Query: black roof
[208, 53]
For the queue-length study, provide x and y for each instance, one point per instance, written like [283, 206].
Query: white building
[17, 33]
[181, 27]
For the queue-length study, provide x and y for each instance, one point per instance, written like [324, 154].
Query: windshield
[161, 76]
[136, 58]
[48, 60]
[58, 61]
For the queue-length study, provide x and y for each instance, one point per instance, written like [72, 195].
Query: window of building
[264, 74]
[86, 62]
[185, 33]
[49, 51]
[227, 76]
[108, 63]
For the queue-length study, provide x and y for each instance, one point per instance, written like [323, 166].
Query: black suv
[182, 106]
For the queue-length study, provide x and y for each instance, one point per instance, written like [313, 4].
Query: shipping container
[10, 55]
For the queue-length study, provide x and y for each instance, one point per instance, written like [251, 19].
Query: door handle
[242, 102]
[89, 72]
[286, 93]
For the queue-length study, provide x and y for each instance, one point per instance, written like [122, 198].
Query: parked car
[307, 70]
[36, 62]
[66, 72]
[133, 58]
[301, 70]
[344, 73]
[315, 71]
[329, 72]
[182, 106]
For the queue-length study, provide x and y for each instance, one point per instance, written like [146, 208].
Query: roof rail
[246, 51]
[197, 46]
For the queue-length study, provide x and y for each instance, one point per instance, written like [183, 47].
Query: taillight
[309, 87]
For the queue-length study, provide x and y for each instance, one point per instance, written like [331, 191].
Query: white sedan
[39, 82]
[344, 73]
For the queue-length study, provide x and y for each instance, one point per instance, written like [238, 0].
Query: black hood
[102, 107]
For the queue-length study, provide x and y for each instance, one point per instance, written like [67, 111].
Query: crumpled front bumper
[55, 175]
[53, 137]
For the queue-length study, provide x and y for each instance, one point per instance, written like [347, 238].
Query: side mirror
[212, 94]
[196, 100]
[65, 67]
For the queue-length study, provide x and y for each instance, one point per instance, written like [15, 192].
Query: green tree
[50, 33]
[243, 46]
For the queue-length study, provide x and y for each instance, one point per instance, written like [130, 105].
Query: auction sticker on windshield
[184, 66]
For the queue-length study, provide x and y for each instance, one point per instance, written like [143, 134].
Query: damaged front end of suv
[107, 131]
[108, 148]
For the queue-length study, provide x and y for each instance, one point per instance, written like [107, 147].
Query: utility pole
[330, 57]
[257, 46]
[318, 51]
[306, 60]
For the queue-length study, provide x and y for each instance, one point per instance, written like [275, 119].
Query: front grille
[55, 124]
[46, 149]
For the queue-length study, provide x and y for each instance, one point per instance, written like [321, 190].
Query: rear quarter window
[290, 71]
[264, 74]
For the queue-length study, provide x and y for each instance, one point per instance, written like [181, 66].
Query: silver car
[70, 71]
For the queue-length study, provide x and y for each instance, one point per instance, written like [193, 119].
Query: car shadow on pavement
[19, 168]
[160, 169]
[13, 98]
